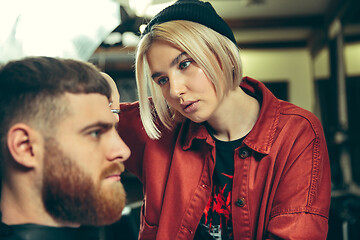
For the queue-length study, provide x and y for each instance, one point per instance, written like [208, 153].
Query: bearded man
[61, 157]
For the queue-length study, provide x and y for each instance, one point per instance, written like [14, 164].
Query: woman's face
[184, 84]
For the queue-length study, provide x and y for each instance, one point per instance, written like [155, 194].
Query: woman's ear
[22, 141]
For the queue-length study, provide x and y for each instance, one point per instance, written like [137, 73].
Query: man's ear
[23, 143]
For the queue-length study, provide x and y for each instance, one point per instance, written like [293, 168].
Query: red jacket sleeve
[131, 130]
[305, 190]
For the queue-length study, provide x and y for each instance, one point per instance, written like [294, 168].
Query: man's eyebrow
[173, 62]
[102, 125]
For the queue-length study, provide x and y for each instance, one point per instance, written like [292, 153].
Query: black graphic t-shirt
[216, 221]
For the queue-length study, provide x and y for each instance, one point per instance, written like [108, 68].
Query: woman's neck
[235, 116]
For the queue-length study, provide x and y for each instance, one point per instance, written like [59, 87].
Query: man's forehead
[91, 107]
[82, 98]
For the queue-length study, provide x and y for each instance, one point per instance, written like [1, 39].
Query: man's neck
[25, 209]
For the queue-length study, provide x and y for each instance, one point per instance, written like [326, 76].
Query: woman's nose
[177, 86]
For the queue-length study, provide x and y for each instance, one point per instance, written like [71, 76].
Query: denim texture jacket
[281, 185]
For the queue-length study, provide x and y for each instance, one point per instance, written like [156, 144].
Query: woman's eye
[184, 64]
[162, 81]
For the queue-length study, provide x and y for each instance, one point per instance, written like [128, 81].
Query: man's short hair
[31, 90]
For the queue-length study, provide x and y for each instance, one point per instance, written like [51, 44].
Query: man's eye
[184, 64]
[162, 81]
[95, 133]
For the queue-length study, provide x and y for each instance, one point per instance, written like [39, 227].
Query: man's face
[83, 163]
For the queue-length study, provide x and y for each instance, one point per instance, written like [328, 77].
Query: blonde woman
[218, 155]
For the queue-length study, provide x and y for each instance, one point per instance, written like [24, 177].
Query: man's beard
[70, 195]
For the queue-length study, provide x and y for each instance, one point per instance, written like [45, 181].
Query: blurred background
[307, 52]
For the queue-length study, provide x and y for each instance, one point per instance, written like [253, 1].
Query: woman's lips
[189, 106]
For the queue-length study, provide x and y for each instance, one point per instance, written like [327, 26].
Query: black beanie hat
[194, 11]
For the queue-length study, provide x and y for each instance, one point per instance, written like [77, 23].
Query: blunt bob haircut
[214, 53]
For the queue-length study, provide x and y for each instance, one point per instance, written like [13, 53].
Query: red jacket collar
[261, 137]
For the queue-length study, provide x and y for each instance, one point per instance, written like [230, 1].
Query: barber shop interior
[305, 52]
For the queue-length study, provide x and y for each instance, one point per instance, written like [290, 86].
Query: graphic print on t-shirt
[217, 214]
[216, 221]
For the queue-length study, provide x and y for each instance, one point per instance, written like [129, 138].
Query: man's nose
[118, 148]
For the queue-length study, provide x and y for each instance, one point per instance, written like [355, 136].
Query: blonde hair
[214, 53]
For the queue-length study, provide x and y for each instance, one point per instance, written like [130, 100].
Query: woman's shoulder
[301, 115]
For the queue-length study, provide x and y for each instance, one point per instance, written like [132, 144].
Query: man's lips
[115, 176]
[114, 172]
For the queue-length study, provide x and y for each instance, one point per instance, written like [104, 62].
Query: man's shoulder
[6, 232]
[35, 232]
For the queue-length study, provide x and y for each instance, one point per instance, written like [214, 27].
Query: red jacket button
[240, 202]
[244, 153]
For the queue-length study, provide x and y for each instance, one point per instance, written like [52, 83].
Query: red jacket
[281, 184]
